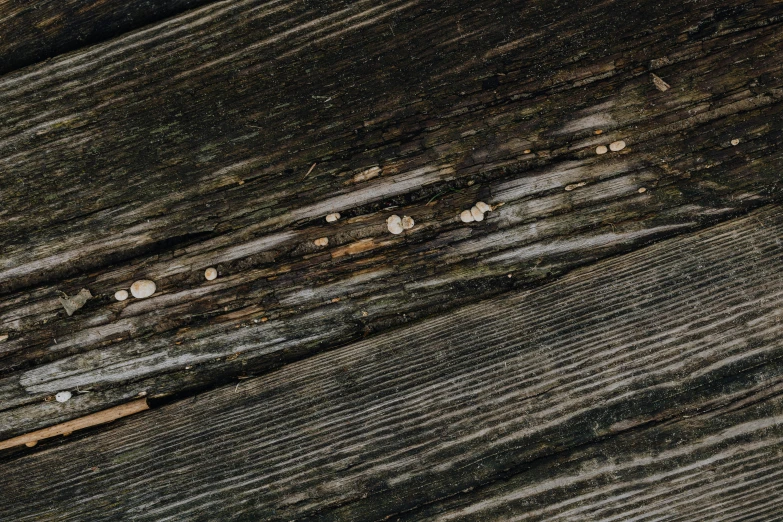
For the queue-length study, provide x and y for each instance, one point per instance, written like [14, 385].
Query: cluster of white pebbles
[476, 212]
[615, 146]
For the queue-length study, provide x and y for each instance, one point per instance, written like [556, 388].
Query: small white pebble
[395, 227]
[617, 145]
[466, 216]
[121, 295]
[321, 241]
[331, 218]
[477, 214]
[601, 149]
[143, 288]
[642, 190]
[483, 206]
[62, 396]
[210, 274]
[407, 222]
[735, 142]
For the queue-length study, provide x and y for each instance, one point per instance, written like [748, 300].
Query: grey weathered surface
[185, 144]
[645, 384]
[37, 30]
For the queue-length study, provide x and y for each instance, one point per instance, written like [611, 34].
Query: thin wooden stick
[309, 171]
[101, 417]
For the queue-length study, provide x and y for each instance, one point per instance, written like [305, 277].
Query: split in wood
[66, 428]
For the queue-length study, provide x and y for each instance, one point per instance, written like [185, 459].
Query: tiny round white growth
[735, 142]
[62, 396]
[394, 219]
[143, 288]
[466, 216]
[210, 274]
[477, 214]
[331, 218]
[321, 241]
[407, 222]
[483, 206]
[617, 145]
[121, 295]
[601, 149]
[395, 227]
[642, 190]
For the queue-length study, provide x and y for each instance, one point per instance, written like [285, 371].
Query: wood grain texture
[185, 145]
[650, 380]
[37, 30]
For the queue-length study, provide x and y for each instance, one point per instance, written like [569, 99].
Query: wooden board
[37, 30]
[187, 144]
[647, 384]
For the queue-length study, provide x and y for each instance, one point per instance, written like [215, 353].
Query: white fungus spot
[601, 149]
[331, 218]
[466, 216]
[394, 219]
[477, 214]
[143, 288]
[210, 274]
[321, 241]
[121, 295]
[483, 206]
[642, 190]
[62, 396]
[735, 142]
[407, 222]
[617, 145]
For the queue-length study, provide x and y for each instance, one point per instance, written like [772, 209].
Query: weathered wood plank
[671, 356]
[716, 466]
[36, 30]
[185, 145]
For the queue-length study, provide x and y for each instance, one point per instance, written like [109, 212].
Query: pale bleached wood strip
[395, 423]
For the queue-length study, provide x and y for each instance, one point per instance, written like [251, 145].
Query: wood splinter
[659, 83]
[66, 428]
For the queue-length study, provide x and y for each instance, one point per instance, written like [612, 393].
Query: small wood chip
[659, 83]
[71, 304]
